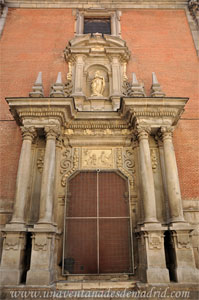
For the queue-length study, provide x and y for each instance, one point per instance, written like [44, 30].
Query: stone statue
[97, 85]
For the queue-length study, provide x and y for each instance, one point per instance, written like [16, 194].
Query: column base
[12, 262]
[43, 257]
[152, 262]
[187, 275]
[157, 275]
[183, 266]
[39, 277]
[9, 276]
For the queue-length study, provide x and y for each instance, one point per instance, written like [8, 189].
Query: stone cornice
[154, 112]
[37, 110]
[41, 112]
[112, 4]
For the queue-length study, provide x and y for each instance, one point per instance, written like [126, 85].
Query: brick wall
[160, 41]
[32, 41]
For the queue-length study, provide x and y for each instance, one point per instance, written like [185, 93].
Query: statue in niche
[97, 85]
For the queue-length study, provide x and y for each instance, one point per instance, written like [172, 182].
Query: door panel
[81, 247]
[82, 192]
[114, 246]
[113, 195]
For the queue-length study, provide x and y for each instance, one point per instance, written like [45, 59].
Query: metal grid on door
[98, 235]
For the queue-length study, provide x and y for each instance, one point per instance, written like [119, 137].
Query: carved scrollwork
[126, 164]
[69, 164]
[129, 162]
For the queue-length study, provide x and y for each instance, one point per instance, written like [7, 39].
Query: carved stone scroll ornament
[126, 164]
[69, 164]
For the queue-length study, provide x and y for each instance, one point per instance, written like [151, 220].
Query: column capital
[142, 132]
[28, 133]
[52, 132]
[166, 132]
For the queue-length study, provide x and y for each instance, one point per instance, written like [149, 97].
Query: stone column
[23, 175]
[173, 186]
[48, 177]
[183, 267]
[147, 182]
[42, 267]
[152, 263]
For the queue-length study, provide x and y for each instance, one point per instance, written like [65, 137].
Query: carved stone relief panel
[95, 158]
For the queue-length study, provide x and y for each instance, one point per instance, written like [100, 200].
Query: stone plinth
[152, 263]
[12, 263]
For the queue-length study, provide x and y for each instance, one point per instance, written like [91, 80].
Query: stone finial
[137, 90]
[37, 88]
[156, 90]
[58, 87]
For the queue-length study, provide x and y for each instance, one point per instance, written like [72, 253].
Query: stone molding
[154, 113]
[170, 4]
[43, 112]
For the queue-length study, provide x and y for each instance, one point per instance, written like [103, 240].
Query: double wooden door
[97, 224]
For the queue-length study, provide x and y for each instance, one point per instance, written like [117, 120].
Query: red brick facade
[160, 41]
